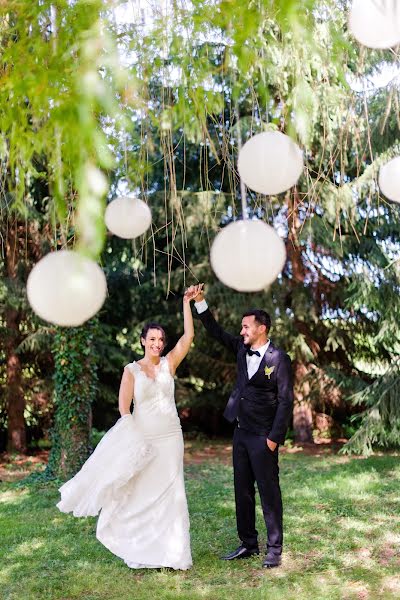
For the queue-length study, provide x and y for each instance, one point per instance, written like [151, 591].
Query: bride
[135, 475]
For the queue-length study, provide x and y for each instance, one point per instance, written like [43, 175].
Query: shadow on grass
[342, 540]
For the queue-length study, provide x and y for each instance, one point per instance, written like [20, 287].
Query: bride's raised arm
[182, 347]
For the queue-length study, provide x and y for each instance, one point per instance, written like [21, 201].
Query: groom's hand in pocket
[271, 445]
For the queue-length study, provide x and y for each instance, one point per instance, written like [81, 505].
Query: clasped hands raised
[194, 292]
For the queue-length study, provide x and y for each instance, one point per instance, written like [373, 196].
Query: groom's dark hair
[260, 316]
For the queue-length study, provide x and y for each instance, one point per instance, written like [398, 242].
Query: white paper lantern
[375, 23]
[270, 162]
[97, 182]
[389, 179]
[66, 288]
[248, 255]
[127, 217]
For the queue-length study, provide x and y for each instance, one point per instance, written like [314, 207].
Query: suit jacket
[262, 404]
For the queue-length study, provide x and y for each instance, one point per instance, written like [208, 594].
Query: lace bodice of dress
[154, 402]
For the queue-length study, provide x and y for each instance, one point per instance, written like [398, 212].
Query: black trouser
[254, 462]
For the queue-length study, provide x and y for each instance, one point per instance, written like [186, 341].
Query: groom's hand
[271, 445]
[199, 293]
[193, 292]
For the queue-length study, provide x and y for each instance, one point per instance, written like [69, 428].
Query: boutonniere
[268, 371]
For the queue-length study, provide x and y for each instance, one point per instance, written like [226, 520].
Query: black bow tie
[250, 352]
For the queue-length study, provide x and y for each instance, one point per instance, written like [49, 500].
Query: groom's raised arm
[230, 341]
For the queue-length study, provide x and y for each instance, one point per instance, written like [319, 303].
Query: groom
[260, 406]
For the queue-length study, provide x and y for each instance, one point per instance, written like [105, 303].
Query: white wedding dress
[135, 479]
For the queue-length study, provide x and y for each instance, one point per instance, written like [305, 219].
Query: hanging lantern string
[242, 184]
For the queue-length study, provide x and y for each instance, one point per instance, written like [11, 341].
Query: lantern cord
[242, 184]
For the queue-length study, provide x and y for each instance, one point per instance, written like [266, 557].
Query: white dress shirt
[201, 306]
[253, 362]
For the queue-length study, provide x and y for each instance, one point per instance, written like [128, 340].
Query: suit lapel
[243, 363]
[268, 356]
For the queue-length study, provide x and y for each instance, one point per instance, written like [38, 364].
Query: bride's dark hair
[152, 326]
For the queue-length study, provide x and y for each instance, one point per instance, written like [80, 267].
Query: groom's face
[252, 331]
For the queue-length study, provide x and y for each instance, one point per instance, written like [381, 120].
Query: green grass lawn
[342, 540]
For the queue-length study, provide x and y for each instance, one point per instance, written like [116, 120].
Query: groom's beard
[251, 340]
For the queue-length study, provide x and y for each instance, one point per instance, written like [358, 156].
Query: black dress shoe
[271, 560]
[241, 552]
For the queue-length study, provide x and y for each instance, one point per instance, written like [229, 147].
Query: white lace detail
[154, 397]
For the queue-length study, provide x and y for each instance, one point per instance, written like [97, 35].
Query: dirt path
[218, 451]
[16, 466]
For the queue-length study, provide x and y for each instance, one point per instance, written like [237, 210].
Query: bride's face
[154, 342]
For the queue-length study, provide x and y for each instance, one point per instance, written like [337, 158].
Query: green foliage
[379, 424]
[60, 74]
[95, 436]
[75, 386]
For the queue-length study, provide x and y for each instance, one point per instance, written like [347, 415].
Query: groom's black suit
[261, 408]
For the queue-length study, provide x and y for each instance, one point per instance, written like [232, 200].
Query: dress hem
[142, 566]
[133, 565]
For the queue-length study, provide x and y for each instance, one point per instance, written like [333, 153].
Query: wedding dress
[135, 479]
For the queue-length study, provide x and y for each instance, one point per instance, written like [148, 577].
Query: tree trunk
[302, 422]
[15, 395]
[74, 392]
[74, 448]
[302, 410]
